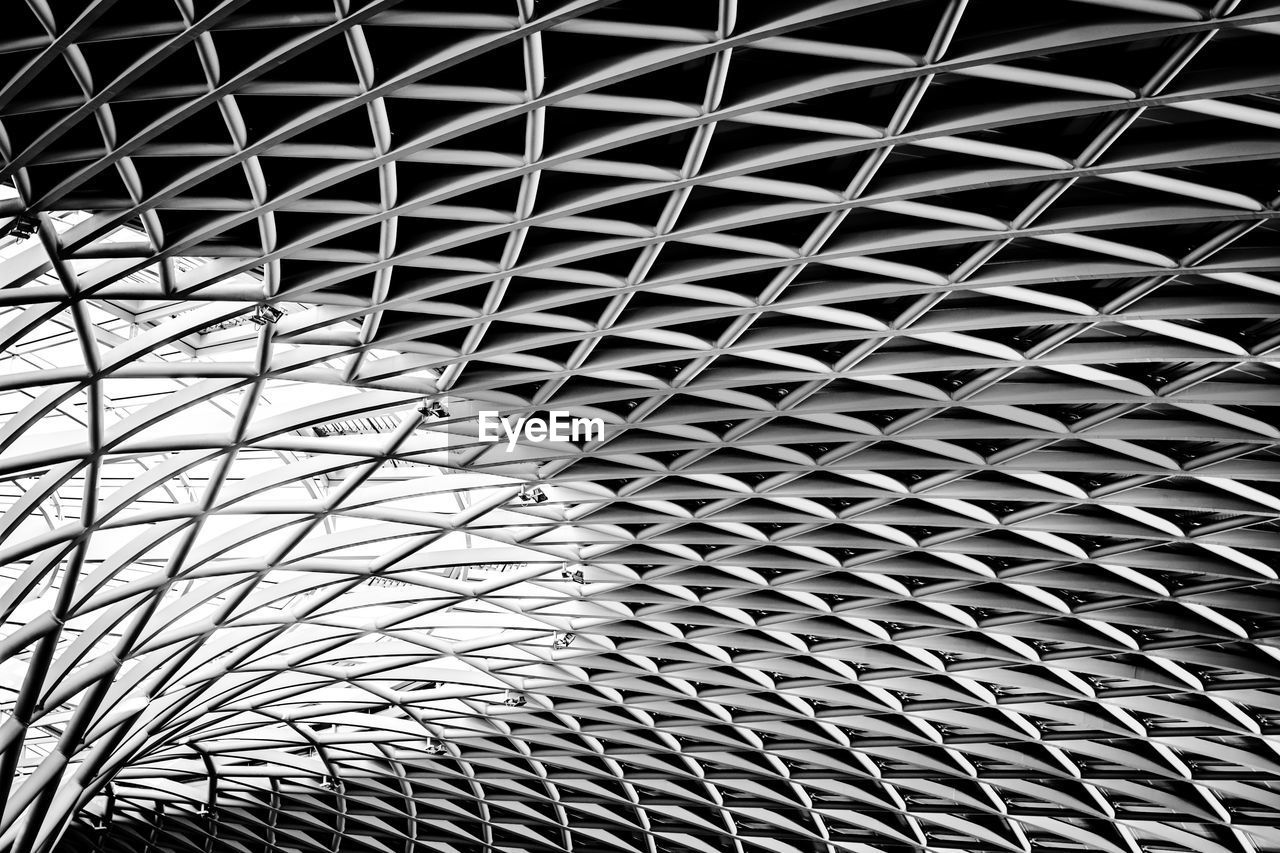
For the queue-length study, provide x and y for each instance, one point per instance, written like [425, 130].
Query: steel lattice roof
[936, 348]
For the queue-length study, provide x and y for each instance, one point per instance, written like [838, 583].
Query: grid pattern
[936, 344]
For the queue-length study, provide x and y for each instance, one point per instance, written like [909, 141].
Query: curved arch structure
[934, 344]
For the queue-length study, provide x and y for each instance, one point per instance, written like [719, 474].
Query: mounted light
[265, 314]
[23, 227]
[433, 409]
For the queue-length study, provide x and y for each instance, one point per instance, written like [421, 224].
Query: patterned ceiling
[936, 345]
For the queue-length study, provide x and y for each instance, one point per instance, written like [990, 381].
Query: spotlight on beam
[533, 495]
[23, 227]
[433, 409]
[265, 314]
